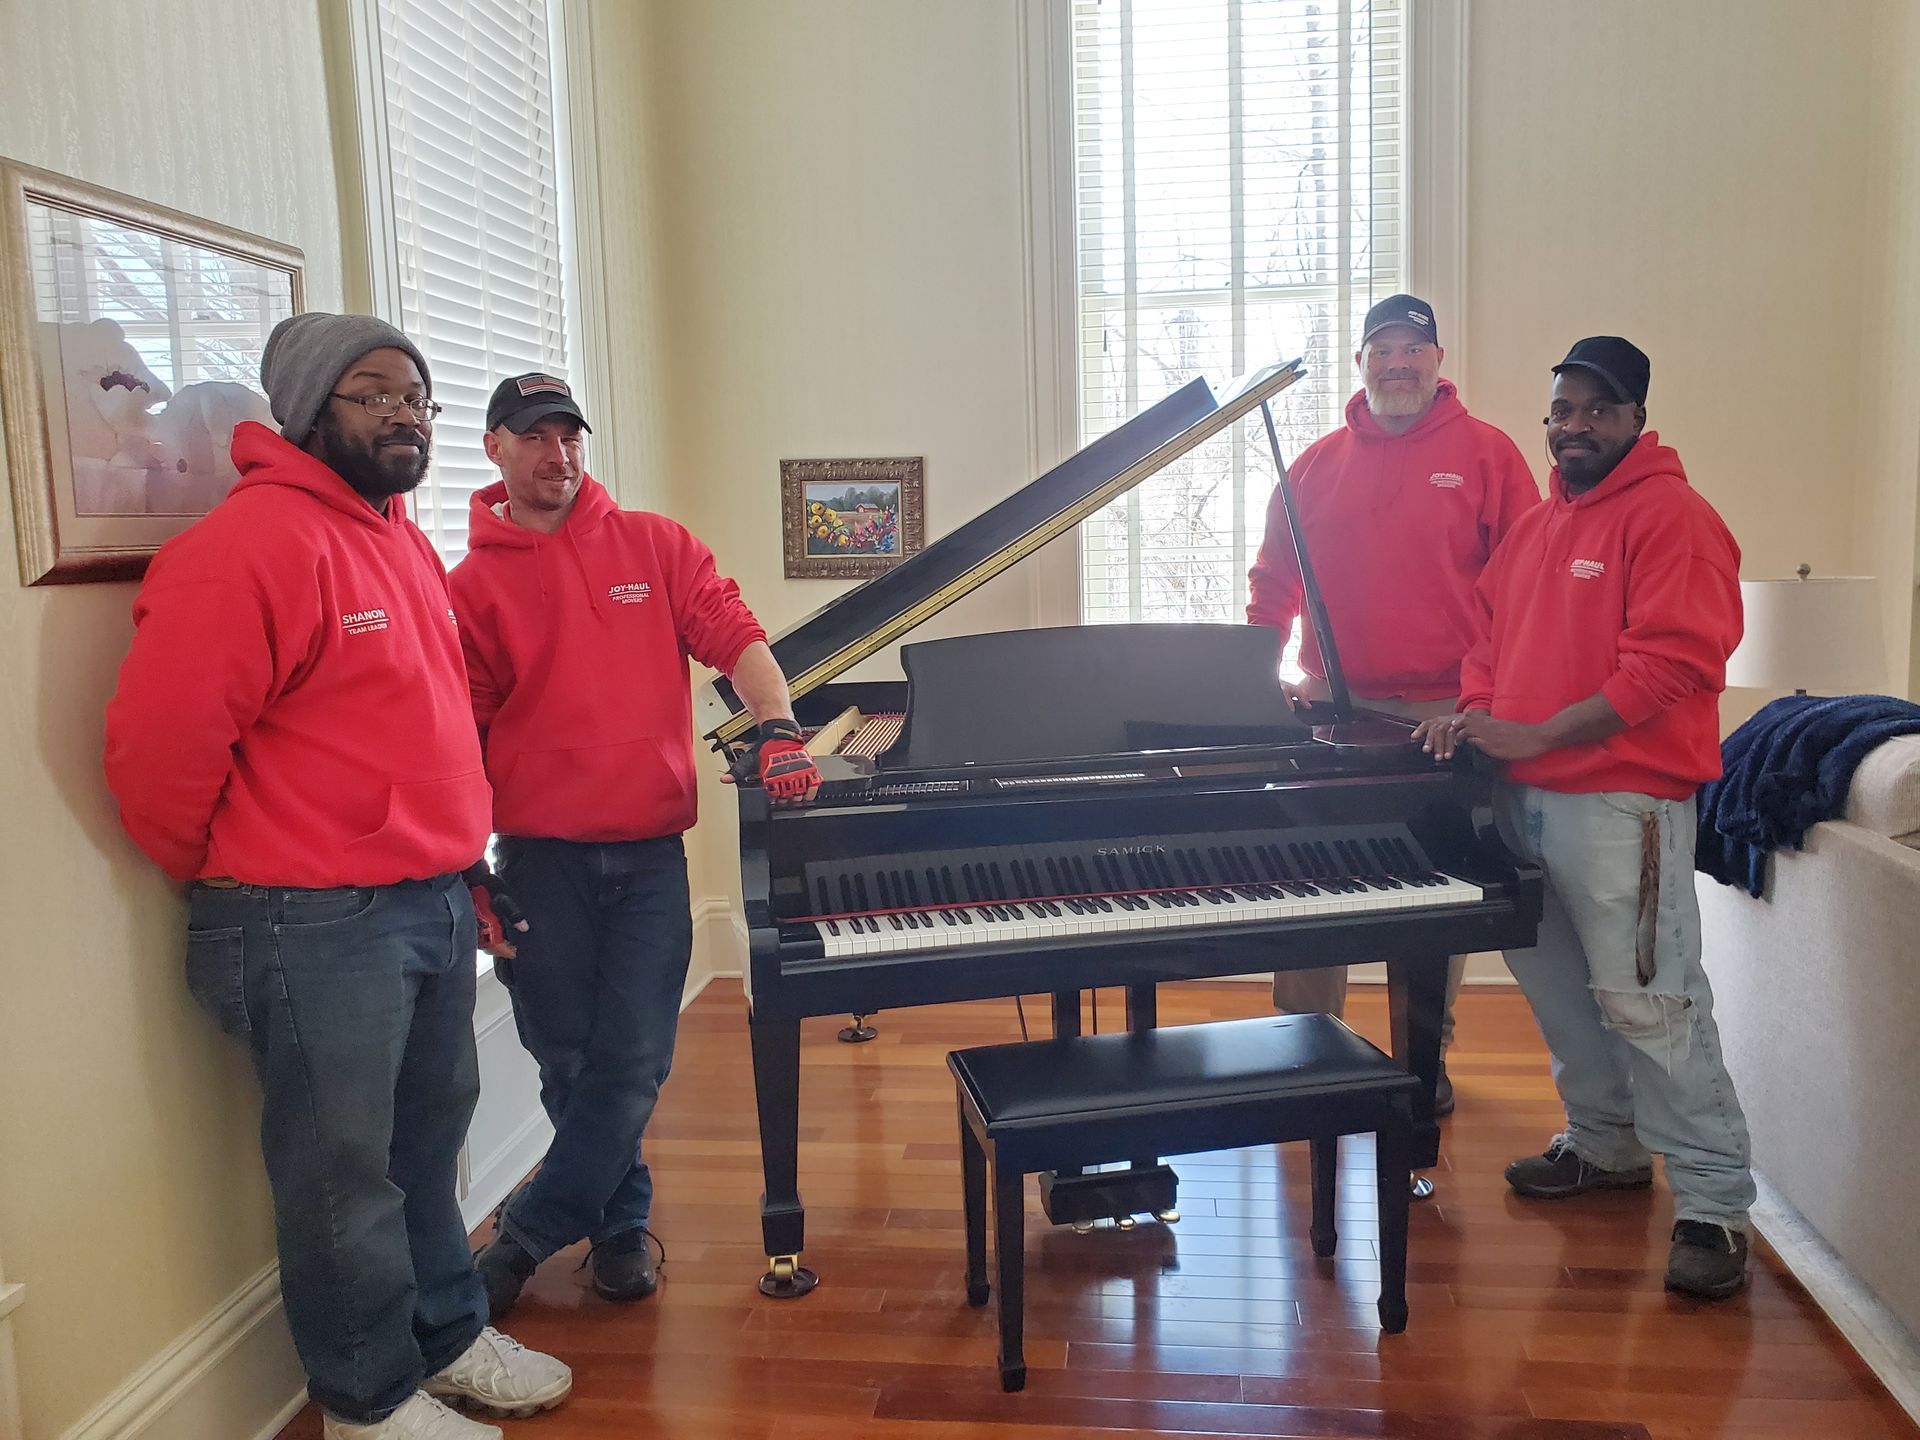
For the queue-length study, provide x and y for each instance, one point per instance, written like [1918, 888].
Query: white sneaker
[421, 1418]
[503, 1376]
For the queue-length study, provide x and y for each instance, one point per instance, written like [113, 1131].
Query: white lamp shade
[1820, 633]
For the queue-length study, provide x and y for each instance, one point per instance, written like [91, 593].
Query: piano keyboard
[1042, 922]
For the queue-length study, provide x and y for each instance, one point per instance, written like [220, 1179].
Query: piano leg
[1423, 982]
[783, 1219]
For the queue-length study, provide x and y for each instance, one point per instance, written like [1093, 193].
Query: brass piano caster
[1168, 1216]
[1422, 1188]
[1083, 1227]
[859, 1032]
[787, 1278]
[1124, 1222]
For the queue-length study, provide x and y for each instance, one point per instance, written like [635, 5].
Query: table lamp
[1819, 633]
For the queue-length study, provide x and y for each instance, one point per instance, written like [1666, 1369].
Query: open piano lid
[867, 619]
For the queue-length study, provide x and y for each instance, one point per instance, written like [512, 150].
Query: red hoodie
[293, 710]
[577, 646]
[1632, 590]
[1398, 529]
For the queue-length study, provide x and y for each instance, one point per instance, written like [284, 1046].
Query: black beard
[1587, 471]
[375, 471]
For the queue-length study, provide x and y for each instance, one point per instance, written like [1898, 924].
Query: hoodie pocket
[437, 824]
[630, 790]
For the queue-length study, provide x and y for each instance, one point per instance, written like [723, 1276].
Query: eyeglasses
[385, 407]
[1596, 413]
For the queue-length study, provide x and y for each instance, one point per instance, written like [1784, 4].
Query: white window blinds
[471, 146]
[1238, 202]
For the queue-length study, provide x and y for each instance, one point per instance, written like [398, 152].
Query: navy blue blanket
[1787, 769]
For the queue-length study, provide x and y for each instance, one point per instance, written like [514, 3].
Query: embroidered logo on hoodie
[364, 622]
[1446, 480]
[1587, 569]
[631, 593]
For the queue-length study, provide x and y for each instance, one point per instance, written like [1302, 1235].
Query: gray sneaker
[1560, 1173]
[1707, 1261]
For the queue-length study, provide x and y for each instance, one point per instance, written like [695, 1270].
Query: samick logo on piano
[1130, 850]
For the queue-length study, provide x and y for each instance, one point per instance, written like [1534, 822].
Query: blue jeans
[1639, 1067]
[357, 1005]
[596, 991]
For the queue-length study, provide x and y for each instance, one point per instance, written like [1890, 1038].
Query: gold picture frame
[130, 340]
[850, 519]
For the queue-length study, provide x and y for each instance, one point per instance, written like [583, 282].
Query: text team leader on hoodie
[1401, 509]
[578, 619]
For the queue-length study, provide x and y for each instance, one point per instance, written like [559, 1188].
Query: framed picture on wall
[130, 341]
[850, 519]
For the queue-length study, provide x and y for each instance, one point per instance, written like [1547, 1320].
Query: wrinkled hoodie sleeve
[1512, 492]
[199, 672]
[713, 621]
[1683, 615]
[1476, 667]
[1273, 583]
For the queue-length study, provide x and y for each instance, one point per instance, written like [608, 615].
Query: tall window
[467, 200]
[1239, 202]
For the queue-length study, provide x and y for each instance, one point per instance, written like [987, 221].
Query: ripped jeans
[1639, 1067]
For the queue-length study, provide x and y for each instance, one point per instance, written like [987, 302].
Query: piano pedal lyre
[1168, 1216]
[859, 1032]
[1124, 1222]
[787, 1278]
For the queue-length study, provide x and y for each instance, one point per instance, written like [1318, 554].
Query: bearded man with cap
[578, 620]
[1606, 620]
[1401, 508]
[290, 739]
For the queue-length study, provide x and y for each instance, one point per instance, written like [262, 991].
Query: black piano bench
[1097, 1099]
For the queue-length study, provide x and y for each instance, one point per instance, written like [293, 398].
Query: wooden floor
[1529, 1321]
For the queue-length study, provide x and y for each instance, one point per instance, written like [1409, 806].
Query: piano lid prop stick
[1315, 606]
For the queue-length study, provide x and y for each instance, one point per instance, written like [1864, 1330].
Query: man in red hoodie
[290, 738]
[578, 619]
[1400, 508]
[1607, 619]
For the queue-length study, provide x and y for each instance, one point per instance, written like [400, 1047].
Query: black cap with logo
[1405, 310]
[521, 402]
[1620, 364]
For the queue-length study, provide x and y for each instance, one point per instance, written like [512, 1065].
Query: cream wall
[839, 198]
[131, 1199]
[1696, 177]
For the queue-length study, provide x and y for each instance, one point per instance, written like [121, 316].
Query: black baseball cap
[1622, 364]
[521, 402]
[1406, 310]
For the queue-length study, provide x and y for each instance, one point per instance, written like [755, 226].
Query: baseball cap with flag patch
[1407, 310]
[521, 402]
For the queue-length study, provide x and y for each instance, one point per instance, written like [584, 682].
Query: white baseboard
[11, 1427]
[232, 1374]
[1891, 1350]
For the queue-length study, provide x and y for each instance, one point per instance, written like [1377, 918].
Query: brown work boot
[1560, 1173]
[1707, 1261]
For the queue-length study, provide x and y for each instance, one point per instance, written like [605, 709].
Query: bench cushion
[1171, 1068]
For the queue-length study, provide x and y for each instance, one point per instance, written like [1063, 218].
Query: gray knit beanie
[307, 354]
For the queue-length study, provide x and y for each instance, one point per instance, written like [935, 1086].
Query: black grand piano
[1049, 811]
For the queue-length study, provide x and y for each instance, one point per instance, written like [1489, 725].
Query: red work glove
[495, 911]
[787, 771]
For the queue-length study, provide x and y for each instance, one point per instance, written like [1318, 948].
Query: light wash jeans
[1639, 1068]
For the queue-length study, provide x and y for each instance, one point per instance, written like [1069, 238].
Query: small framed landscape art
[130, 340]
[850, 519]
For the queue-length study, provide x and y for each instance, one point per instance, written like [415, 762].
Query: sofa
[1817, 991]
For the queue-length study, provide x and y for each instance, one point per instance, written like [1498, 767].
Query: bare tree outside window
[1239, 202]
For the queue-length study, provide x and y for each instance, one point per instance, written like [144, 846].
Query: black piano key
[820, 891]
[894, 921]
[965, 916]
[833, 927]
[847, 901]
[947, 915]
[913, 920]
[997, 880]
[883, 882]
[860, 893]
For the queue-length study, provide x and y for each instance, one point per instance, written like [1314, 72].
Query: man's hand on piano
[787, 771]
[1505, 739]
[1440, 736]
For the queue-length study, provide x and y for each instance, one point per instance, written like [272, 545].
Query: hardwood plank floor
[1529, 1321]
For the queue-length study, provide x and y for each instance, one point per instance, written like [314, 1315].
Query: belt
[221, 882]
